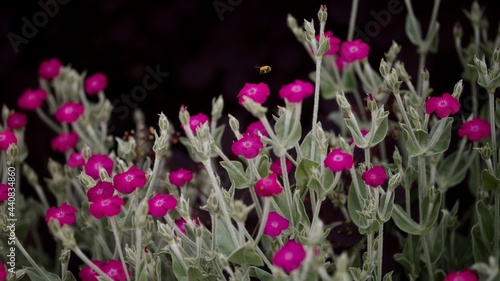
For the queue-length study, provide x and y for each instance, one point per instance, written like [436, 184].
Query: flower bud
[457, 90]
[68, 236]
[217, 107]
[240, 211]
[30, 175]
[212, 204]
[322, 14]
[394, 181]
[457, 30]
[163, 122]
[481, 65]
[384, 68]
[234, 123]
[184, 117]
[316, 234]
[87, 181]
[393, 52]
[86, 152]
[12, 152]
[342, 102]
[291, 22]
[65, 255]
[371, 103]
[485, 151]
[103, 175]
[398, 159]
[255, 108]
[141, 212]
[165, 231]
[309, 30]
[129, 254]
[401, 70]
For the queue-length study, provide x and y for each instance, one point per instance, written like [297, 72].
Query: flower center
[247, 144]
[353, 49]
[105, 202]
[474, 128]
[68, 110]
[159, 203]
[288, 256]
[2, 137]
[112, 272]
[442, 103]
[296, 88]
[338, 158]
[275, 224]
[252, 91]
[100, 191]
[129, 177]
[60, 214]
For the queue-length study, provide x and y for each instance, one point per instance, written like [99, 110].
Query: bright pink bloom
[275, 224]
[196, 121]
[180, 177]
[268, 186]
[444, 105]
[296, 91]
[276, 166]
[160, 204]
[64, 141]
[181, 222]
[16, 120]
[65, 214]
[3, 272]
[88, 274]
[102, 189]
[337, 160]
[95, 83]
[108, 207]
[6, 139]
[114, 269]
[76, 160]
[375, 176]
[130, 180]
[256, 92]
[4, 192]
[69, 112]
[255, 128]
[475, 129]
[334, 43]
[464, 275]
[290, 256]
[31, 99]
[351, 51]
[49, 69]
[95, 162]
[249, 146]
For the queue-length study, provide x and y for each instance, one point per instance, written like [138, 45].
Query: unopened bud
[163, 122]
[291, 22]
[393, 52]
[184, 117]
[371, 102]
[394, 181]
[342, 101]
[234, 123]
[217, 107]
[384, 68]
[457, 30]
[30, 175]
[457, 90]
[12, 153]
[322, 14]
[65, 255]
[87, 181]
[401, 70]
[240, 211]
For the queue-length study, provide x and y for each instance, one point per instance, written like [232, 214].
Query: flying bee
[263, 69]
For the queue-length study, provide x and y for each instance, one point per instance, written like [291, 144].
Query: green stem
[422, 183]
[406, 119]
[491, 102]
[427, 257]
[48, 121]
[496, 233]
[288, 190]
[118, 245]
[380, 252]
[421, 63]
[316, 97]
[138, 251]
[154, 176]
[30, 260]
[352, 19]
[263, 221]
[360, 104]
[92, 265]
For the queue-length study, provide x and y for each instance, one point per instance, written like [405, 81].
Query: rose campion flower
[249, 146]
[464, 275]
[102, 189]
[275, 224]
[3, 272]
[180, 177]
[6, 139]
[255, 128]
[290, 256]
[337, 160]
[196, 121]
[76, 160]
[256, 92]
[64, 141]
[351, 51]
[475, 129]
[16, 120]
[69, 112]
[49, 69]
[375, 176]
[160, 204]
[276, 166]
[130, 180]
[65, 214]
[95, 162]
[4, 192]
[108, 207]
[297, 91]
[114, 269]
[334, 43]
[88, 274]
[444, 105]
[31, 99]
[96, 83]
[268, 186]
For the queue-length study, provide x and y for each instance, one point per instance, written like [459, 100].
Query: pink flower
[249, 146]
[444, 105]
[102, 189]
[16, 120]
[181, 222]
[64, 141]
[3, 272]
[180, 177]
[275, 224]
[276, 166]
[268, 186]
[65, 214]
[114, 269]
[375, 176]
[95, 83]
[464, 275]
[49, 69]
[351, 51]
[256, 92]
[31, 99]
[475, 129]
[69, 112]
[160, 204]
[296, 91]
[290, 256]
[130, 180]
[196, 121]
[88, 274]
[95, 162]
[76, 160]
[337, 160]
[6, 139]
[255, 128]
[334, 43]
[108, 207]
[4, 192]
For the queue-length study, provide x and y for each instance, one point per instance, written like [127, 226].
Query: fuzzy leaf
[304, 173]
[35, 275]
[223, 240]
[305, 148]
[385, 210]
[485, 222]
[69, 276]
[246, 255]
[261, 274]
[404, 222]
[490, 182]
[480, 251]
[355, 203]
[381, 131]
[431, 210]
[359, 140]
[413, 30]
[284, 128]
[444, 139]
[412, 146]
[445, 177]
[236, 173]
